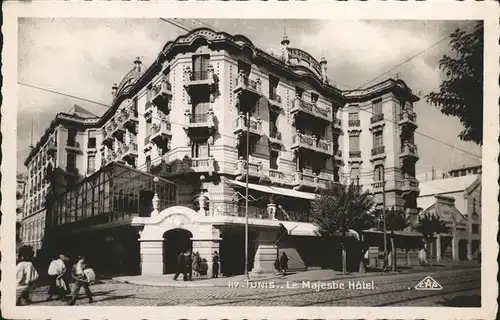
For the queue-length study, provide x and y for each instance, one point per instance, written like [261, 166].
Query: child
[26, 275]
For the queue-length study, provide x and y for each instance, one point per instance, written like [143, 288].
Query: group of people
[189, 263]
[61, 274]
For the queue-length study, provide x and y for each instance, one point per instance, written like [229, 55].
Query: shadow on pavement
[462, 301]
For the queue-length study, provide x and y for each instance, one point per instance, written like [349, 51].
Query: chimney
[114, 89]
[323, 64]
[138, 63]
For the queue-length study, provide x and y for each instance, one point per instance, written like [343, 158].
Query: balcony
[254, 169]
[247, 89]
[275, 138]
[377, 187]
[303, 141]
[254, 128]
[308, 180]
[129, 152]
[277, 177]
[409, 186]
[51, 148]
[355, 157]
[117, 130]
[147, 143]
[199, 124]
[377, 121]
[378, 153]
[162, 92]
[275, 102]
[198, 80]
[354, 123]
[119, 154]
[73, 146]
[130, 119]
[409, 152]
[408, 121]
[200, 165]
[148, 111]
[337, 126]
[311, 109]
[160, 132]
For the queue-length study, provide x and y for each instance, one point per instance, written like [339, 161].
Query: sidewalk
[166, 280]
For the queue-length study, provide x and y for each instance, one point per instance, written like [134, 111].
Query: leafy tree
[430, 225]
[339, 208]
[461, 94]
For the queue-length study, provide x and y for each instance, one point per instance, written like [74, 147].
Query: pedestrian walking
[215, 265]
[80, 274]
[188, 274]
[284, 263]
[58, 284]
[26, 275]
[196, 264]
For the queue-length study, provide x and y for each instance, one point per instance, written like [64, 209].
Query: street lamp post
[246, 193]
[384, 217]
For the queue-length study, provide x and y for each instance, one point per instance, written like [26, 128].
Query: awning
[300, 228]
[275, 190]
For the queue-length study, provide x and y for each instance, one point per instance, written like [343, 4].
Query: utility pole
[384, 217]
[246, 192]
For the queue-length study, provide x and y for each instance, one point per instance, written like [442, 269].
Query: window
[353, 143]
[91, 163]
[377, 107]
[71, 137]
[273, 127]
[244, 68]
[273, 160]
[273, 87]
[475, 229]
[148, 163]
[378, 139]
[317, 166]
[354, 174]
[200, 149]
[353, 116]
[200, 67]
[70, 162]
[91, 143]
[299, 92]
[314, 98]
[378, 173]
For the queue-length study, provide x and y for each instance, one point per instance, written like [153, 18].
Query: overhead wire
[180, 25]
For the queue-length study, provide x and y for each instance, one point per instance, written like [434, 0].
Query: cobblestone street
[461, 287]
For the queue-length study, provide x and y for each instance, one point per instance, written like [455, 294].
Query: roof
[448, 185]
[81, 112]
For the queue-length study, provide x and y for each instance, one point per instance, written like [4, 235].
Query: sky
[84, 57]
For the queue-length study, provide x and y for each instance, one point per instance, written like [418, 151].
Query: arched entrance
[175, 241]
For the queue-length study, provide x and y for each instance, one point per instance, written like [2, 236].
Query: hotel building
[211, 112]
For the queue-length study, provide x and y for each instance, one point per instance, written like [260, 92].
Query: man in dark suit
[181, 267]
[188, 262]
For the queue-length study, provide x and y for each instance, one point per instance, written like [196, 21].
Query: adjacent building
[165, 168]
[457, 201]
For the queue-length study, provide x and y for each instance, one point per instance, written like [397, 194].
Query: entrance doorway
[232, 252]
[175, 241]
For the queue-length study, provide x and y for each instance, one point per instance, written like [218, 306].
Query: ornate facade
[213, 111]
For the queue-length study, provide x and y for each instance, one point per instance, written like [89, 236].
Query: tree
[396, 220]
[461, 94]
[429, 225]
[339, 208]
